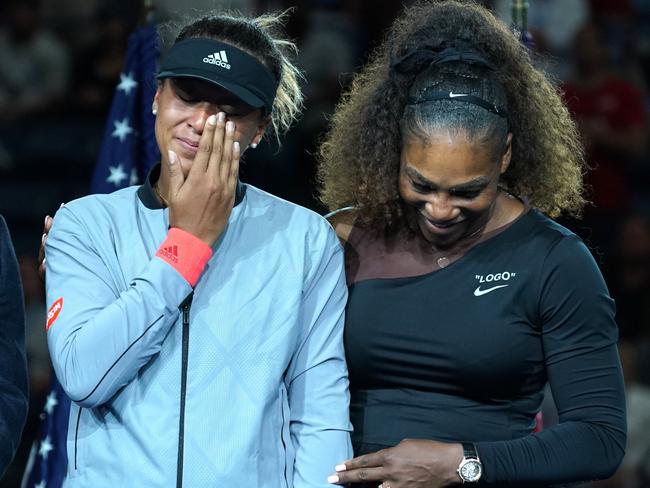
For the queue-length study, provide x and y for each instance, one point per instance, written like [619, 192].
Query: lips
[188, 144]
[439, 227]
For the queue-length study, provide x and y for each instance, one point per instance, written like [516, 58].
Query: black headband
[458, 97]
[416, 61]
[224, 65]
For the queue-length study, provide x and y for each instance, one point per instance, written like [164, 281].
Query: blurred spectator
[641, 20]
[329, 28]
[97, 66]
[628, 277]
[612, 119]
[33, 63]
[619, 27]
[553, 25]
[33, 76]
[634, 471]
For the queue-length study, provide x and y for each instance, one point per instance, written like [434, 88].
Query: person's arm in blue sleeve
[579, 335]
[100, 335]
[13, 366]
[317, 377]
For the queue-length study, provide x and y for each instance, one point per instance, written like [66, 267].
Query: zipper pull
[186, 313]
[185, 307]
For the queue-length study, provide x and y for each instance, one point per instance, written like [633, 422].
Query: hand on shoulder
[342, 220]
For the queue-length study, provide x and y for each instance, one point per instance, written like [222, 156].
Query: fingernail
[222, 116]
[43, 238]
[172, 157]
[212, 120]
[46, 217]
[333, 479]
[235, 146]
[62, 205]
[230, 126]
[340, 467]
[43, 262]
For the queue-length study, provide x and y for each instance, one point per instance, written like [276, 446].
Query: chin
[438, 240]
[186, 164]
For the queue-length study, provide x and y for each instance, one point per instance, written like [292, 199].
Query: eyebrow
[475, 184]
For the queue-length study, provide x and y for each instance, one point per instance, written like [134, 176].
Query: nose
[439, 209]
[200, 114]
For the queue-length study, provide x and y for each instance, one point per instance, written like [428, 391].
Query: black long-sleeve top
[463, 353]
[13, 366]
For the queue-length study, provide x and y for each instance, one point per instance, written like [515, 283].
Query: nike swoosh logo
[478, 292]
[454, 95]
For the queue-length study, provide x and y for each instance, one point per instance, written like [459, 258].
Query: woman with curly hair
[451, 153]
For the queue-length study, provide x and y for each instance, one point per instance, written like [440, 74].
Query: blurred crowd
[60, 61]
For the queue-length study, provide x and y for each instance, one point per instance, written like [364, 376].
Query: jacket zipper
[181, 422]
[76, 437]
[284, 445]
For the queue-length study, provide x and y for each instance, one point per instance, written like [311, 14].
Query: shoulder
[273, 213]
[90, 203]
[542, 245]
[4, 230]
[96, 209]
[540, 230]
[6, 246]
[257, 201]
[343, 220]
[560, 251]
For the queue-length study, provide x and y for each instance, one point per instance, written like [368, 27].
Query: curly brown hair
[360, 155]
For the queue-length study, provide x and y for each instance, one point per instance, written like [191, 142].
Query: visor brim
[239, 91]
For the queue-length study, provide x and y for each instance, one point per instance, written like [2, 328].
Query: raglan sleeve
[579, 337]
[100, 334]
[13, 367]
[317, 376]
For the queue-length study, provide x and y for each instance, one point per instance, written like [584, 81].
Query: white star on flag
[117, 175]
[50, 403]
[41, 485]
[46, 447]
[122, 129]
[127, 83]
[133, 180]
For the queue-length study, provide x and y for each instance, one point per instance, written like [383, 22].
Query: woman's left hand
[413, 463]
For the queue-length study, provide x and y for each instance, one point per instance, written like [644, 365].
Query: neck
[160, 188]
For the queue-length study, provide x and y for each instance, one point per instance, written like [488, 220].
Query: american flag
[127, 153]
[129, 147]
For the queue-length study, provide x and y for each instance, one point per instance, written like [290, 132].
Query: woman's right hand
[201, 203]
[47, 225]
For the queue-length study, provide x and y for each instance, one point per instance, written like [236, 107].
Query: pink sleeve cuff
[186, 253]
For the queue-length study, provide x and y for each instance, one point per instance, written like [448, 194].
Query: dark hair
[260, 37]
[360, 155]
[422, 118]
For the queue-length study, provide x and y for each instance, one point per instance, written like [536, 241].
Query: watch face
[470, 470]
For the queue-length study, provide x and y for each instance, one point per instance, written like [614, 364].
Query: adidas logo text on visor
[220, 59]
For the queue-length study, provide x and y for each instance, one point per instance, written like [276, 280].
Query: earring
[154, 110]
[253, 145]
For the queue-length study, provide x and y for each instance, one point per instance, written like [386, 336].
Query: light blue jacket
[251, 392]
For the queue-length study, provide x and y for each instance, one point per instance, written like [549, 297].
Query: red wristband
[186, 253]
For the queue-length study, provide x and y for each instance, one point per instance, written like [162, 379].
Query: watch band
[469, 450]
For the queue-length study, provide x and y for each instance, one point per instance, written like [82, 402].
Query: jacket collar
[147, 194]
